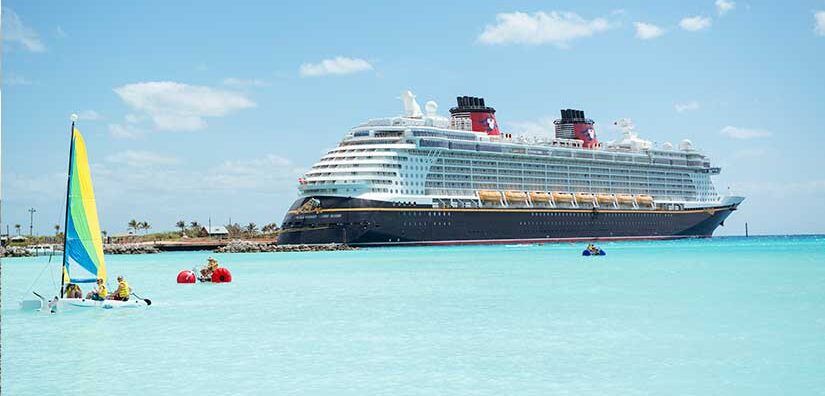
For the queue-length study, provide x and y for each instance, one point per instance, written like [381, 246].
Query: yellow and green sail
[83, 258]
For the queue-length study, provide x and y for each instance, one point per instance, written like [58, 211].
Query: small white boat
[83, 260]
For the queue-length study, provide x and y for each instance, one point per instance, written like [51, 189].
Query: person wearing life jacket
[211, 266]
[99, 293]
[122, 292]
[73, 291]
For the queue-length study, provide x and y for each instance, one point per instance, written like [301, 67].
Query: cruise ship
[426, 179]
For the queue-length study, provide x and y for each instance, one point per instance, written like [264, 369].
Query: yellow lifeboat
[605, 198]
[582, 197]
[515, 196]
[538, 196]
[643, 199]
[562, 197]
[489, 196]
[625, 198]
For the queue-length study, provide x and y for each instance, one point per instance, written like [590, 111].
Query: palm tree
[133, 224]
[251, 228]
[145, 226]
[182, 225]
[194, 224]
[270, 228]
[17, 227]
[234, 229]
[56, 229]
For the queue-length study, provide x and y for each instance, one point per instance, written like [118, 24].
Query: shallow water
[693, 317]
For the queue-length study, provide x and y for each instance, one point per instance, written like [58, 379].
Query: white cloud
[819, 28]
[723, 6]
[174, 106]
[141, 159]
[60, 32]
[89, 115]
[237, 82]
[16, 80]
[687, 106]
[14, 31]
[128, 131]
[694, 24]
[557, 28]
[338, 66]
[647, 31]
[744, 133]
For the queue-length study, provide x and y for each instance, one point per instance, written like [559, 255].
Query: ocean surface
[723, 316]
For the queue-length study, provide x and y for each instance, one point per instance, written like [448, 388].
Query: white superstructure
[431, 159]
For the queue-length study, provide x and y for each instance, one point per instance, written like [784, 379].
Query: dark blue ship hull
[360, 222]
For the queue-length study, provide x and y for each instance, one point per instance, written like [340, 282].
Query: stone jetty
[129, 248]
[15, 251]
[238, 246]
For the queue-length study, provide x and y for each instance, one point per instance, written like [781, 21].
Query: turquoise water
[695, 317]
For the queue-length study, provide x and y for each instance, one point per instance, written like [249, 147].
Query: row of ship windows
[607, 214]
[561, 184]
[559, 169]
[427, 224]
[519, 162]
[334, 155]
[417, 213]
[657, 180]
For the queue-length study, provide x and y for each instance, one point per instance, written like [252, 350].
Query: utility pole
[746, 229]
[31, 221]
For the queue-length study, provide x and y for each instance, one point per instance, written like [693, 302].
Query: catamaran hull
[105, 304]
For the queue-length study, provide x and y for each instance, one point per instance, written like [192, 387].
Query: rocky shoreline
[235, 246]
[15, 251]
[239, 246]
[129, 248]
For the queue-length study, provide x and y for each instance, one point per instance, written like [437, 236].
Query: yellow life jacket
[101, 291]
[124, 289]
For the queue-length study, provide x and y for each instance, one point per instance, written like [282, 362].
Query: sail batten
[83, 256]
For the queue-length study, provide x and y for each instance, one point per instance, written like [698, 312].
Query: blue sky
[194, 110]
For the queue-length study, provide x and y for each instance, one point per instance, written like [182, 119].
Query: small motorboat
[596, 252]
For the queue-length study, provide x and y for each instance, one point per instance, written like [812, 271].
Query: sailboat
[83, 261]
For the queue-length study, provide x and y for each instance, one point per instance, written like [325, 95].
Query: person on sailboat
[122, 292]
[99, 293]
[73, 291]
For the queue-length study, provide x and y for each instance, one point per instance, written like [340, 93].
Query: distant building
[217, 232]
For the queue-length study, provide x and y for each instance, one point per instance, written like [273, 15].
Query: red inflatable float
[186, 276]
[221, 275]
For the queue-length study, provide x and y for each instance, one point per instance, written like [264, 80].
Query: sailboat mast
[63, 271]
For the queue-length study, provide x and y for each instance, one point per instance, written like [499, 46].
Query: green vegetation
[194, 231]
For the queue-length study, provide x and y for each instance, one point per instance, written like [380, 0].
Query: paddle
[148, 301]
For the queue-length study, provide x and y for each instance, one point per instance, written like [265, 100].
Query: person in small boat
[122, 292]
[73, 291]
[99, 293]
[593, 249]
[211, 266]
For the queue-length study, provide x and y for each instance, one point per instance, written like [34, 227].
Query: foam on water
[719, 316]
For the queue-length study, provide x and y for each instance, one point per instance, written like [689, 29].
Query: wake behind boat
[83, 261]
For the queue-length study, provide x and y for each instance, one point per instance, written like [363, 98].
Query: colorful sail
[83, 258]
